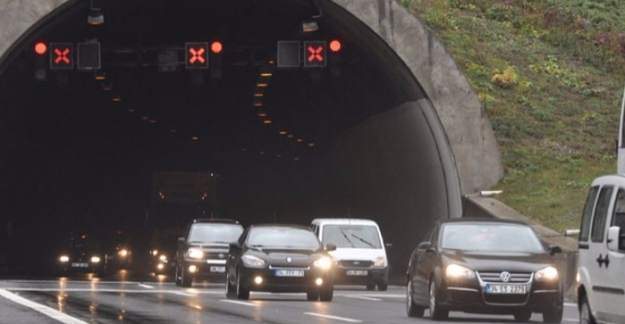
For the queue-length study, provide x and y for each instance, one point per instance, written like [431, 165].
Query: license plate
[80, 265]
[289, 273]
[356, 272]
[505, 289]
[218, 269]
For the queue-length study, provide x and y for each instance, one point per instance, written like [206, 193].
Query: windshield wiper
[363, 240]
[347, 238]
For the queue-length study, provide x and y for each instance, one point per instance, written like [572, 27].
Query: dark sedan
[476, 266]
[280, 258]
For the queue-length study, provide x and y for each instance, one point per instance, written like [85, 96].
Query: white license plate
[289, 273]
[220, 269]
[80, 265]
[497, 289]
[356, 272]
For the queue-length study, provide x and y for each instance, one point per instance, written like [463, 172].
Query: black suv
[203, 252]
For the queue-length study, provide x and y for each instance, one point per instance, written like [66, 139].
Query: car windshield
[215, 233]
[490, 238]
[352, 236]
[283, 237]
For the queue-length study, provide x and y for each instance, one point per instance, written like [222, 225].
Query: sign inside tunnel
[61, 56]
[315, 54]
[289, 54]
[88, 56]
[196, 55]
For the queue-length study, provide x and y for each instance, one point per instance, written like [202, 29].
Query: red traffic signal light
[336, 46]
[61, 56]
[217, 47]
[315, 54]
[41, 48]
[196, 55]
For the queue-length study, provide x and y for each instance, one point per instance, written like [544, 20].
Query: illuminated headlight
[163, 258]
[123, 253]
[252, 261]
[324, 263]
[195, 253]
[454, 271]
[64, 259]
[547, 274]
[380, 262]
[95, 259]
[154, 252]
[578, 278]
[160, 266]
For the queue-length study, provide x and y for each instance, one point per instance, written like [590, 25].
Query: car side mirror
[426, 246]
[388, 245]
[614, 234]
[235, 246]
[181, 241]
[554, 249]
[330, 247]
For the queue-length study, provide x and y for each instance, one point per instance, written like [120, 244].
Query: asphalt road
[94, 300]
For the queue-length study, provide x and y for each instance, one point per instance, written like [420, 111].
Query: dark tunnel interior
[80, 150]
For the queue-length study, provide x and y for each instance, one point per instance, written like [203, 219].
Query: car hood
[489, 261]
[357, 254]
[211, 247]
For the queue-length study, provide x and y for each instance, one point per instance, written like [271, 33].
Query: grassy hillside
[550, 74]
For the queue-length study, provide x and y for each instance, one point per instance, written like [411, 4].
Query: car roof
[482, 221]
[293, 226]
[612, 179]
[343, 221]
[215, 220]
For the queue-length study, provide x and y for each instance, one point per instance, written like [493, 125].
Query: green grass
[550, 74]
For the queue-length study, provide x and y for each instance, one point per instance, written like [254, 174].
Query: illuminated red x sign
[61, 56]
[315, 54]
[196, 55]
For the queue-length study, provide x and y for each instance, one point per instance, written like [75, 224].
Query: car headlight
[380, 262]
[252, 261]
[154, 252]
[454, 271]
[195, 253]
[64, 259]
[324, 263]
[163, 258]
[95, 259]
[123, 253]
[547, 274]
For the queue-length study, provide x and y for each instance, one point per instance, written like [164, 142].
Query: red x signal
[61, 56]
[197, 55]
[315, 54]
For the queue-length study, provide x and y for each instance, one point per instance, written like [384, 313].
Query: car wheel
[522, 316]
[382, 286]
[177, 276]
[553, 315]
[326, 294]
[585, 315]
[371, 286]
[412, 310]
[436, 312]
[185, 280]
[242, 291]
[230, 288]
[312, 295]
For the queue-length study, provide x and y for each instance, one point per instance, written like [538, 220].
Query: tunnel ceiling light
[100, 76]
[310, 26]
[299, 140]
[217, 47]
[41, 48]
[296, 158]
[279, 156]
[195, 138]
[153, 121]
[311, 144]
[117, 99]
[336, 46]
[283, 132]
[258, 95]
[262, 85]
[262, 114]
[267, 122]
[145, 117]
[95, 17]
[266, 74]
[131, 110]
[290, 136]
[258, 104]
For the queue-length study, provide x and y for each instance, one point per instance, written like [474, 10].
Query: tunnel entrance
[355, 138]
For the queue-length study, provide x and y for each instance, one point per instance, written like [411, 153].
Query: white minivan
[601, 269]
[360, 252]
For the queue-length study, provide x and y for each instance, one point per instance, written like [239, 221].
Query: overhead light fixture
[283, 132]
[310, 26]
[131, 110]
[267, 121]
[100, 76]
[258, 95]
[290, 136]
[262, 114]
[262, 85]
[258, 104]
[266, 74]
[145, 117]
[117, 99]
[95, 17]
[299, 140]
[311, 144]
[195, 138]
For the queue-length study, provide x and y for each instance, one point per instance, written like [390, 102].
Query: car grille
[515, 277]
[505, 299]
[215, 255]
[355, 263]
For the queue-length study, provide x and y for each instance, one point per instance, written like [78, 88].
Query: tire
[185, 281]
[436, 312]
[312, 295]
[553, 316]
[177, 276]
[231, 291]
[242, 292]
[412, 310]
[326, 294]
[585, 315]
[382, 286]
[371, 286]
[522, 316]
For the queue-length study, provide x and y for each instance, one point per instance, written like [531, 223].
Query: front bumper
[273, 283]
[355, 276]
[206, 269]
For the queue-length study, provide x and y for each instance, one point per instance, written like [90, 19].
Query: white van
[360, 252]
[601, 270]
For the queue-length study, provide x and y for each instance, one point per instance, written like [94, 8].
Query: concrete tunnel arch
[445, 117]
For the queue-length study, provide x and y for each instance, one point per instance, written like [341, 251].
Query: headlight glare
[380, 262]
[163, 258]
[547, 274]
[64, 259]
[454, 271]
[95, 259]
[195, 253]
[123, 253]
[323, 263]
[252, 261]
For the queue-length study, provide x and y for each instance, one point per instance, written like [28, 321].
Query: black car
[484, 266]
[203, 252]
[82, 252]
[280, 258]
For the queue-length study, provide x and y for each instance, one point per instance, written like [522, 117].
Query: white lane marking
[146, 286]
[363, 297]
[45, 310]
[570, 305]
[107, 290]
[337, 318]
[382, 295]
[571, 320]
[238, 302]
